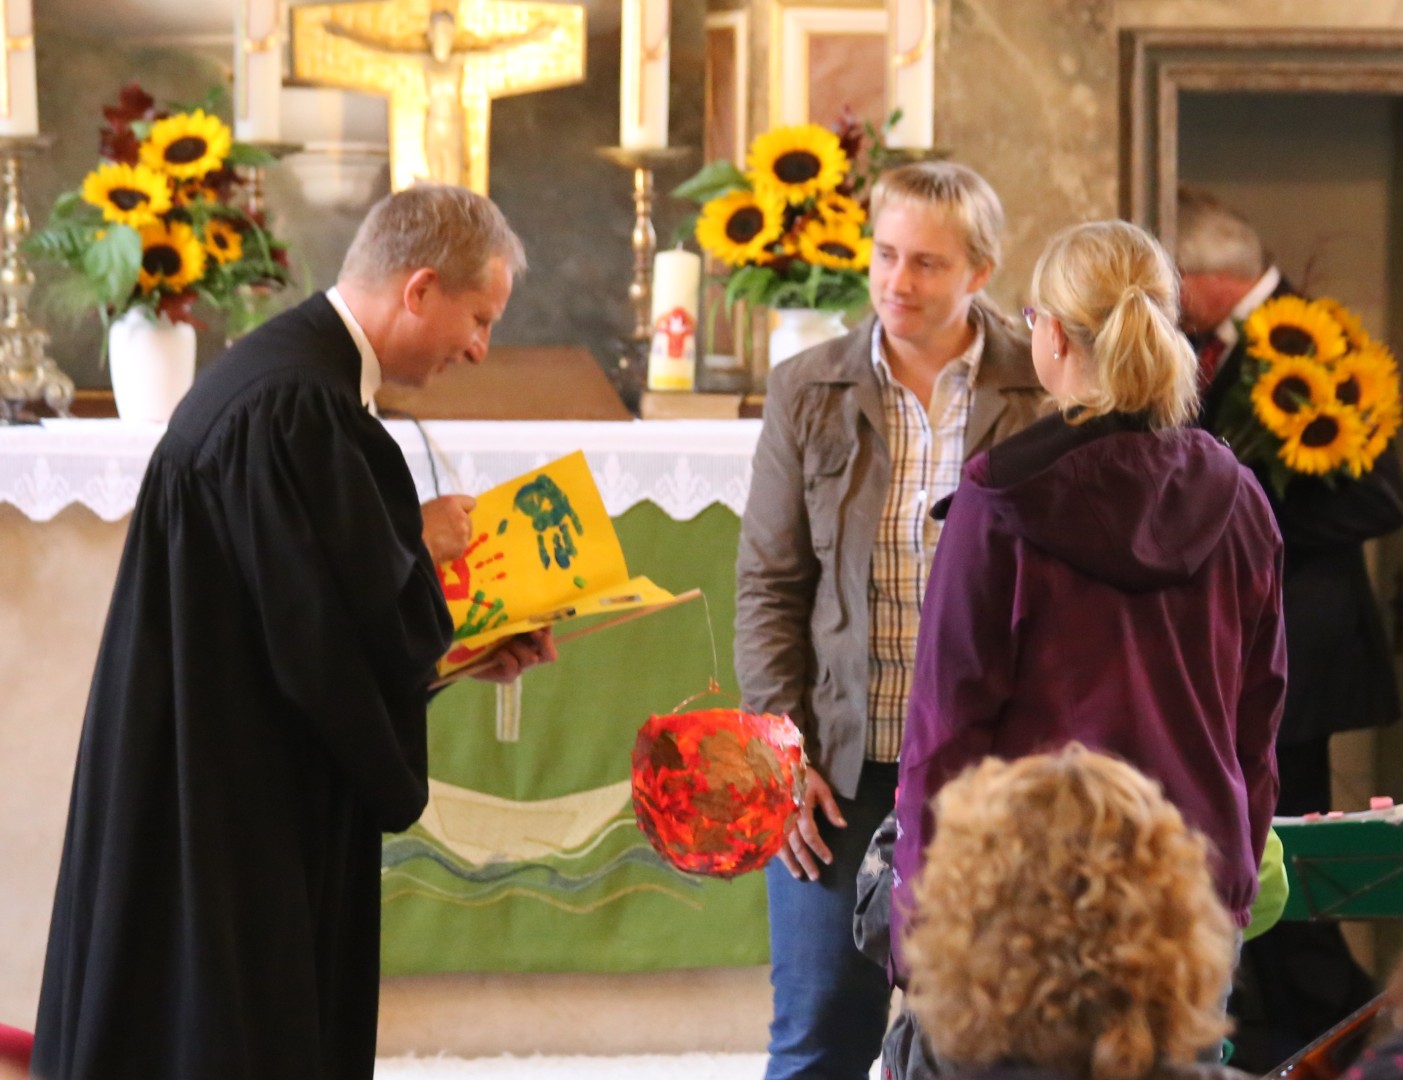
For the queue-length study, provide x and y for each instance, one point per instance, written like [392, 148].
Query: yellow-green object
[1272, 890]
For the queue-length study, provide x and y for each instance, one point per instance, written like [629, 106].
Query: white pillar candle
[672, 360]
[19, 98]
[647, 28]
[911, 72]
[258, 70]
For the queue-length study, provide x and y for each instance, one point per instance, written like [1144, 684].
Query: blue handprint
[551, 513]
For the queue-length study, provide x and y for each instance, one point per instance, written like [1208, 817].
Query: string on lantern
[716, 791]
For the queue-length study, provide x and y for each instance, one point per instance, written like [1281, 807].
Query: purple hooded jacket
[1122, 588]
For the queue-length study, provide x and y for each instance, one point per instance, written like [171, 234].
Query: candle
[672, 361]
[258, 70]
[911, 72]
[19, 98]
[647, 27]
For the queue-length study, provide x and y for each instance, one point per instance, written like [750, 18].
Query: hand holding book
[542, 553]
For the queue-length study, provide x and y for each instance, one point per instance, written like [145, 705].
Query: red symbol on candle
[678, 325]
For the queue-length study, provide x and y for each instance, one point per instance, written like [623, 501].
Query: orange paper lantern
[717, 791]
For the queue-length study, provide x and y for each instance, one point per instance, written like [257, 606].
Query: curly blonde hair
[1066, 918]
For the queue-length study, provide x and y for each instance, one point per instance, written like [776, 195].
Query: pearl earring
[1056, 355]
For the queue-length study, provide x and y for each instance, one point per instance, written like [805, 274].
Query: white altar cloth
[683, 466]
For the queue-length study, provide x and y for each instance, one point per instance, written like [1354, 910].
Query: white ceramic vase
[797, 329]
[152, 363]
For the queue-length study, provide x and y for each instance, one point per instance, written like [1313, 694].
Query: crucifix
[441, 63]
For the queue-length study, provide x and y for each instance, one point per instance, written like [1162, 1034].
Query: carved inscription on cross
[440, 62]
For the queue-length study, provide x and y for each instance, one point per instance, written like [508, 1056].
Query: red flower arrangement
[717, 791]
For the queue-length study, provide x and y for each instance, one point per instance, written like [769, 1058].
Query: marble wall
[1026, 95]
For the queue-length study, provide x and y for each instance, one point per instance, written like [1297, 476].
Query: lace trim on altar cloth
[681, 466]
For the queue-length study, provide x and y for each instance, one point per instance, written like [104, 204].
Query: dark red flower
[116, 140]
[177, 308]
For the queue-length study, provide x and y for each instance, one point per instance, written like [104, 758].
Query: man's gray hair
[1211, 239]
[441, 227]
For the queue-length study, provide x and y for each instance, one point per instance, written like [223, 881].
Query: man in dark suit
[1298, 979]
[256, 718]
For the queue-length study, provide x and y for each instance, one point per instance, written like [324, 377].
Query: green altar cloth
[551, 873]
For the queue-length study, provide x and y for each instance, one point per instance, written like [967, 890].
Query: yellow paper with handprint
[543, 552]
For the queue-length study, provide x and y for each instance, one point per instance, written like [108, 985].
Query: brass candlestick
[633, 361]
[645, 240]
[26, 372]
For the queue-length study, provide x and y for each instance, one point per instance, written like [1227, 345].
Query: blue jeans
[830, 1001]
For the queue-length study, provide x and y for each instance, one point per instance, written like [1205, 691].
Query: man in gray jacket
[862, 436]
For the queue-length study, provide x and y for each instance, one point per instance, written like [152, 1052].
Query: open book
[543, 553]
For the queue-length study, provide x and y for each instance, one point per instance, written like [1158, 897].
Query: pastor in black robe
[256, 720]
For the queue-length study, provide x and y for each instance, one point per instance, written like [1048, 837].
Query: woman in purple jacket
[1111, 575]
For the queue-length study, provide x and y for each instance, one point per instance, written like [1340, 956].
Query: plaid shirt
[927, 454]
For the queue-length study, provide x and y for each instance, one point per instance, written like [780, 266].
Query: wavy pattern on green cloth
[604, 901]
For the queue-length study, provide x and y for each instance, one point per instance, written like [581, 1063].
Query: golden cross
[441, 62]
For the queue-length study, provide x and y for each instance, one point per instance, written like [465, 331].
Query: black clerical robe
[256, 719]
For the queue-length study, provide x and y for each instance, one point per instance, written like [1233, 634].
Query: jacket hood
[1137, 510]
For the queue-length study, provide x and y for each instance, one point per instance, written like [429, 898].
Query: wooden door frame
[1156, 65]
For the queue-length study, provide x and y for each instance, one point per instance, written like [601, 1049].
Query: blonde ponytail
[1115, 293]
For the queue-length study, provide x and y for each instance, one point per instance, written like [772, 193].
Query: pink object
[1335, 814]
[15, 1046]
[1312, 816]
[1380, 802]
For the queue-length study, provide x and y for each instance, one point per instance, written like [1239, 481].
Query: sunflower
[187, 145]
[1381, 429]
[188, 192]
[223, 242]
[1289, 327]
[738, 226]
[127, 194]
[838, 245]
[1330, 436]
[1349, 322]
[1365, 380]
[1286, 390]
[171, 257]
[798, 162]
[837, 207]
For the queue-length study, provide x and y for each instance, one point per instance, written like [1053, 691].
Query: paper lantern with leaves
[717, 791]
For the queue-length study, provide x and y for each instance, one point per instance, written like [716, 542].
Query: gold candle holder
[644, 239]
[27, 373]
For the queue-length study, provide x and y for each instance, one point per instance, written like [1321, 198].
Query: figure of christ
[442, 57]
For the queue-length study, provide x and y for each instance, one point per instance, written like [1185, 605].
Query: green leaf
[241, 153]
[113, 263]
[715, 178]
[67, 204]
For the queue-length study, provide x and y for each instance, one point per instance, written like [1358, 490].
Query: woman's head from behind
[1107, 301]
[1066, 918]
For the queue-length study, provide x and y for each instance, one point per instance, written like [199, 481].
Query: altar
[557, 748]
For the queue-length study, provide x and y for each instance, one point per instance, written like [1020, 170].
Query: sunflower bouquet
[158, 225]
[792, 230]
[1317, 396]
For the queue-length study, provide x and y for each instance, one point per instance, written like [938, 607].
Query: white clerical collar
[1258, 295]
[369, 363]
